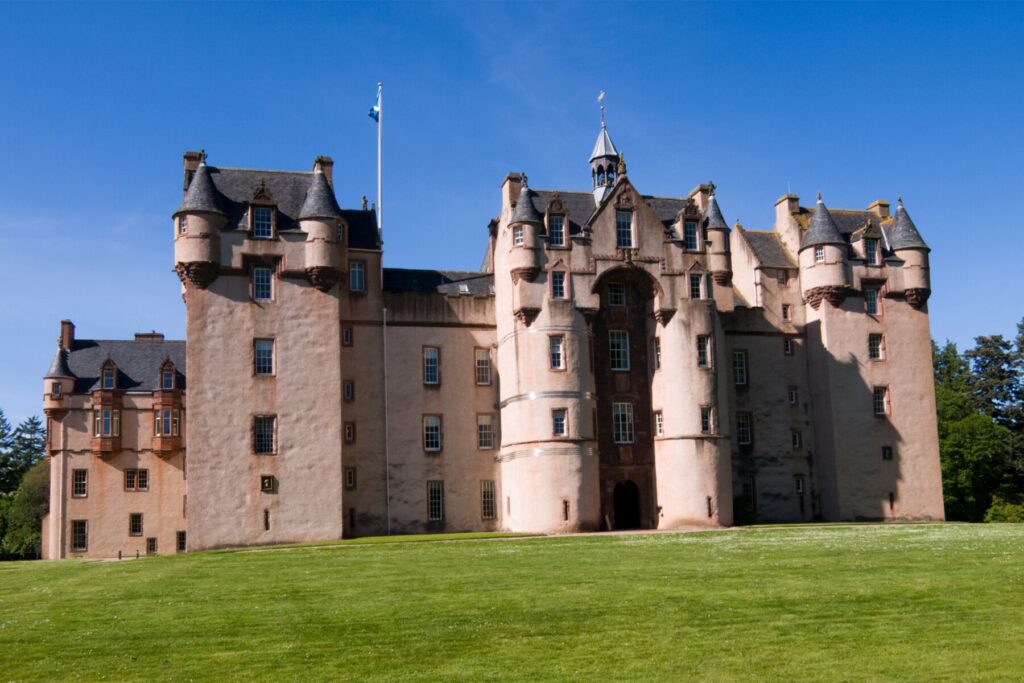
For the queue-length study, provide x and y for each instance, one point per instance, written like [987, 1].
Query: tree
[6, 444]
[996, 375]
[28, 446]
[25, 513]
[952, 372]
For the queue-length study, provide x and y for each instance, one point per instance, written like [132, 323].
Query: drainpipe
[387, 460]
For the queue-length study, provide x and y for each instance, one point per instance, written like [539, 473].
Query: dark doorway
[627, 505]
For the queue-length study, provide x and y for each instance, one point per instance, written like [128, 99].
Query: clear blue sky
[859, 101]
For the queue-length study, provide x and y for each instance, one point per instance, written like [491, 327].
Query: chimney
[880, 208]
[149, 336]
[192, 161]
[786, 206]
[510, 189]
[325, 164]
[67, 335]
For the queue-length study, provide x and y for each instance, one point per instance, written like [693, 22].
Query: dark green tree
[23, 537]
[995, 380]
[27, 447]
[976, 456]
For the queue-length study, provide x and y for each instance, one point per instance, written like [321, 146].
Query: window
[432, 433]
[880, 401]
[795, 439]
[55, 390]
[703, 351]
[435, 501]
[350, 478]
[782, 277]
[109, 375]
[167, 380]
[181, 541]
[431, 365]
[616, 294]
[107, 422]
[485, 432]
[346, 336]
[341, 233]
[690, 235]
[739, 368]
[622, 422]
[819, 254]
[556, 230]
[558, 422]
[787, 346]
[136, 480]
[800, 487]
[744, 434]
[488, 509]
[79, 483]
[618, 349]
[886, 452]
[787, 312]
[263, 428]
[482, 361]
[357, 276]
[556, 352]
[262, 222]
[709, 287]
[794, 397]
[262, 284]
[266, 519]
[624, 229]
[659, 423]
[167, 422]
[518, 238]
[706, 425]
[876, 347]
[79, 535]
[657, 353]
[268, 484]
[135, 524]
[695, 286]
[183, 225]
[871, 252]
[871, 301]
[350, 432]
[348, 390]
[263, 356]
[557, 285]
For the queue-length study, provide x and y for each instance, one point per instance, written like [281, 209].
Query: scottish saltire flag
[375, 109]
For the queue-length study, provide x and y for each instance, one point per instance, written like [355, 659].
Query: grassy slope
[849, 603]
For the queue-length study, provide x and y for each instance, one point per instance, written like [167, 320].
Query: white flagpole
[380, 134]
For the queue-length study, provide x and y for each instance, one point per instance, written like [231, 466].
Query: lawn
[853, 603]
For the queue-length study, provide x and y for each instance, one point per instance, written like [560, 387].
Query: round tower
[823, 268]
[526, 224]
[719, 259]
[906, 242]
[59, 381]
[197, 225]
[322, 221]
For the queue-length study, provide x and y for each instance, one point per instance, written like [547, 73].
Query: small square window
[886, 452]
[350, 432]
[350, 478]
[616, 294]
[268, 484]
[558, 426]
[357, 276]
[557, 285]
[262, 222]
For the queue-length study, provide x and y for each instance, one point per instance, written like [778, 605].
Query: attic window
[109, 377]
[871, 252]
[262, 222]
[690, 235]
[167, 380]
[463, 288]
[556, 229]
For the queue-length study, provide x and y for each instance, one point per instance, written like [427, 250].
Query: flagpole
[384, 309]
[380, 135]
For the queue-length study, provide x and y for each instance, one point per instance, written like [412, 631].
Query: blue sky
[859, 101]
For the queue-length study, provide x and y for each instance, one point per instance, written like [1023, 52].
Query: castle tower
[604, 163]
[320, 218]
[822, 258]
[197, 225]
[906, 243]
[716, 233]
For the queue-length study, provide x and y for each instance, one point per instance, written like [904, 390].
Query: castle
[620, 361]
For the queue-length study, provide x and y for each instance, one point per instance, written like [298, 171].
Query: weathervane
[600, 98]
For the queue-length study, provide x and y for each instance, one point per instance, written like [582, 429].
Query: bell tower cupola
[604, 162]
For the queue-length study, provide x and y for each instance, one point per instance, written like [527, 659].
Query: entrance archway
[627, 505]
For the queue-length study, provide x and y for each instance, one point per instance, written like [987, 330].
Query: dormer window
[623, 229]
[690, 235]
[556, 230]
[167, 380]
[263, 222]
[871, 252]
[108, 376]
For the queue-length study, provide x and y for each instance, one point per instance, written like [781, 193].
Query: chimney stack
[192, 161]
[149, 336]
[325, 164]
[67, 335]
[880, 208]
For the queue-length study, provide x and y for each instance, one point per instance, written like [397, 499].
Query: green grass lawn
[855, 603]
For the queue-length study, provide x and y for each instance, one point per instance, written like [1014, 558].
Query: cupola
[604, 163]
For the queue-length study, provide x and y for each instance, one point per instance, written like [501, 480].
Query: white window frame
[787, 312]
[558, 290]
[819, 253]
[696, 285]
[357, 277]
[876, 347]
[262, 230]
[556, 352]
[485, 432]
[690, 235]
[617, 294]
[880, 401]
[556, 230]
[263, 357]
[106, 422]
[559, 422]
[482, 366]
[79, 483]
[433, 438]
[432, 365]
[262, 283]
[518, 236]
[618, 351]
[659, 423]
[624, 230]
[622, 423]
[657, 353]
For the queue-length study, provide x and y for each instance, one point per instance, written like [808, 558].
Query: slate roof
[526, 212]
[604, 147]
[580, 207]
[823, 228]
[768, 249]
[233, 188]
[903, 233]
[138, 363]
[201, 194]
[320, 201]
[450, 282]
[713, 216]
[59, 366]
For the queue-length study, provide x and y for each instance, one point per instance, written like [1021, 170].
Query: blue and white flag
[375, 109]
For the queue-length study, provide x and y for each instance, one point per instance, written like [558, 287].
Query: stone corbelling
[527, 315]
[834, 294]
[721, 277]
[528, 274]
[664, 315]
[323, 278]
[918, 296]
[200, 273]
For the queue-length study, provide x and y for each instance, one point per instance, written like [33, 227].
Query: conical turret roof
[201, 194]
[904, 234]
[526, 212]
[823, 229]
[320, 201]
[713, 218]
[59, 366]
[604, 147]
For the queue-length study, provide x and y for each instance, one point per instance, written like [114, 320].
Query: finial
[621, 168]
[711, 188]
[202, 157]
[600, 98]
[899, 201]
[364, 202]
[524, 181]
[819, 198]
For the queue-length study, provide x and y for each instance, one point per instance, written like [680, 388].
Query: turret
[197, 225]
[59, 381]
[823, 268]
[717, 234]
[525, 224]
[906, 242]
[604, 163]
[321, 220]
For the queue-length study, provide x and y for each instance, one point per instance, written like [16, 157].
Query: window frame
[559, 290]
[77, 492]
[624, 228]
[255, 283]
[787, 313]
[707, 419]
[106, 422]
[744, 429]
[488, 500]
[435, 500]
[740, 368]
[874, 301]
[482, 362]
[349, 431]
[704, 354]
[351, 478]
[552, 241]
[254, 222]
[659, 423]
[696, 286]
[614, 290]
[819, 253]
[690, 231]
[431, 364]
[485, 438]
[559, 416]
[619, 359]
[518, 236]
[656, 352]
[623, 423]
[793, 396]
[880, 397]
[355, 267]
[348, 390]
[871, 251]
[133, 528]
[556, 344]
[876, 352]
[428, 420]
[257, 422]
[259, 363]
[787, 346]
[76, 526]
[796, 439]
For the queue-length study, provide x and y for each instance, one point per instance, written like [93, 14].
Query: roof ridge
[258, 170]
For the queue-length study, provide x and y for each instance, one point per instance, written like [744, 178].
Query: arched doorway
[627, 505]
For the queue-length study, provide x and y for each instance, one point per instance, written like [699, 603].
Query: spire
[713, 219]
[903, 234]
[59, 366]
[604, 147]
[320, 201]
[823, 229]
[526, 212]
[201, 194]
